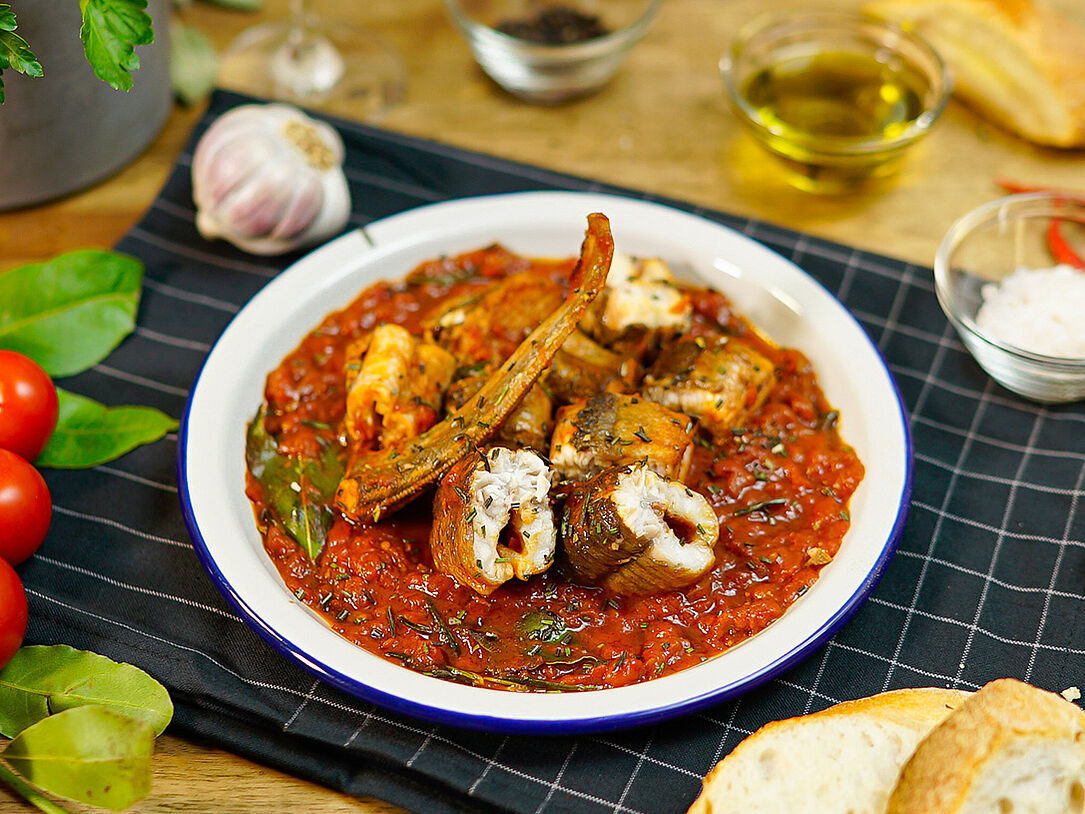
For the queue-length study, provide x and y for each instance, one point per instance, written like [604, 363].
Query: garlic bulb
[269, 179]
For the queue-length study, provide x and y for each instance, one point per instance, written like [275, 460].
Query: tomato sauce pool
[780, 485]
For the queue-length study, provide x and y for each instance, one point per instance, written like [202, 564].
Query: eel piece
[492, 519]
[612, 429]
[633, 532]
[395, 384]
[720, 381]
[640, 293]
[380, 481]
[583, 368]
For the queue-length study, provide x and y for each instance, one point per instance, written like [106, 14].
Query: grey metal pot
[66, 130]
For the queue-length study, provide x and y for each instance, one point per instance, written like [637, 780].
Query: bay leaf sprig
[68, 314]
[88, 754]
[89, 433]
[296, 491]
[41, 680]
[83, 727]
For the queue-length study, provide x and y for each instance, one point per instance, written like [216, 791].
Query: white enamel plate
[778, 296]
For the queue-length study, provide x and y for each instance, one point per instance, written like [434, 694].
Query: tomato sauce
[780, 486]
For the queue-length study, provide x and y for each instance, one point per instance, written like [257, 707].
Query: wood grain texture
[662, 125]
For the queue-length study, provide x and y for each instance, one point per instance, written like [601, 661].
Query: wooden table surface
[662, 126]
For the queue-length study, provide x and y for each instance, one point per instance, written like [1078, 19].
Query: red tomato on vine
[12, 612]
[28, 405]
[26, 508]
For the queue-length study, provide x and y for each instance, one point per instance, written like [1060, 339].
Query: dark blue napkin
[988, 581]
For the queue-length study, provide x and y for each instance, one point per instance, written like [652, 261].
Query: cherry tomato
[28, 405]
[25, 508]
[12, 612]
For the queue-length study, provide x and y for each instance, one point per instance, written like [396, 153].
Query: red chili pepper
[1056, 243]
[1060, 249]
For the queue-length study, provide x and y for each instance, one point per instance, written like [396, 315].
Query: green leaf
[70, 312]
[297, 491]
[42, 680]
[15, 52]
[89, 754]
[88, 433]
[111, 29]
[193, 63]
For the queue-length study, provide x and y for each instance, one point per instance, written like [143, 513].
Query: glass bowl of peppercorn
[549, 51]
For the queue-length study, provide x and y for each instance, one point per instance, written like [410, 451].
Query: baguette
[843, 759]
[1009, 748]
[1020, 62]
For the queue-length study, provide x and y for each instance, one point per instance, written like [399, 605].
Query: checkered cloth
[987, 581]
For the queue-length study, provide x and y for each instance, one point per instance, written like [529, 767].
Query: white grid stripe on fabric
[1000, 443]
[490, 763]
[974, 628]
[893, 663]
[647, 757]
[304, 701]
[989, 478]
[208, 258]
[817, 679]
[1009, 586]
[924, 569]
[191, 296]
[1070, 517]
[557, 782]
[143, 381]
[641, 756]
[144, 535]
[173, 341]
[139, 589]
[422, 746]
[129, 476]
[1040, 538]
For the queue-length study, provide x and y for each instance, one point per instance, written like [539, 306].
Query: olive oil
[835, 117]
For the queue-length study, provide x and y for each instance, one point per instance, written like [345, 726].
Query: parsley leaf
[111, 29]
[15, 53]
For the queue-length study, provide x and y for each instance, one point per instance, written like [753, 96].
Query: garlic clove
[269, 179]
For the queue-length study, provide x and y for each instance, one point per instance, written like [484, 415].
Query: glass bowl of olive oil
[836, 97]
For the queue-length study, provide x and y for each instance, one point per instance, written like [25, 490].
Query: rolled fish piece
[639, 292]
[395, 384]
[613, 429]
[634, 532]
[719, 380]
[493, 520]
[583, 368]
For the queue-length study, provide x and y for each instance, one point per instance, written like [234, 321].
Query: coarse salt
[1038, 310]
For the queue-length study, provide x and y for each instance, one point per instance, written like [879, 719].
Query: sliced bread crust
[1009, 748]
[1020, 62]
[846, 758]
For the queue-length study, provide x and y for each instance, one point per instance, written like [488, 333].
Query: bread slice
[845, 758]
[1020, 62]
[1010, 748]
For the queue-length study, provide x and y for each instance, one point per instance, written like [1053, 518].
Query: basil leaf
[88, 754]
[297, 491]
[193, 63]
[42, 680]
[15, 53]
[70, 312]
[88, 433]
[111, 29]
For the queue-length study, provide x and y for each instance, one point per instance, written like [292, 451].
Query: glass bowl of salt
[1011, 279]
